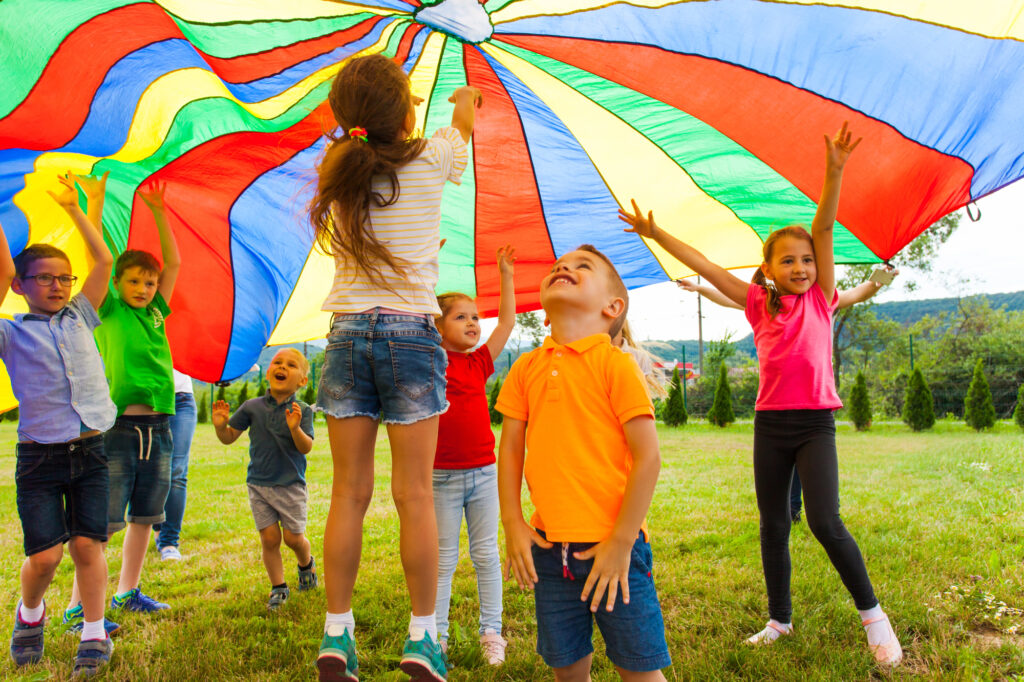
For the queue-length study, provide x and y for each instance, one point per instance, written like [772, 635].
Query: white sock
[770, 634]
[878, 632]
[345, 620]
[32, 615]
[420, 624]
[93, 630]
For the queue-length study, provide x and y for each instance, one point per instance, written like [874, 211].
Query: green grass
[925, 516]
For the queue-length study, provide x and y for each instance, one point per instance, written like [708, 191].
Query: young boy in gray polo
[280, 437]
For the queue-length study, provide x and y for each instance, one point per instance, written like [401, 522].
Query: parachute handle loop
[970, 215]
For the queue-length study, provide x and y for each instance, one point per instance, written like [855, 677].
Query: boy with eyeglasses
[62, 476]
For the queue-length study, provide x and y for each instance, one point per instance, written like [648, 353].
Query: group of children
[578, 419]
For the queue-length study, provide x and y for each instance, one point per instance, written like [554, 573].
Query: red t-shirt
[464, 436]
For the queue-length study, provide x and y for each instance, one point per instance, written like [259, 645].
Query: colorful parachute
[709, 113]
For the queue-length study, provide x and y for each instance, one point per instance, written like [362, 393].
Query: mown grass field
[929, 510]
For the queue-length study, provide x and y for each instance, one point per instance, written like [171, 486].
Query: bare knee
[46, 561]
[85, 550]
[575, 672]
[270, 537]
[295, 541]
[629, 676]
[413, 496]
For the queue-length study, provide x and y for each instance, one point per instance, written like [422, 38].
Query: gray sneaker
[307, 578]
[278, 596]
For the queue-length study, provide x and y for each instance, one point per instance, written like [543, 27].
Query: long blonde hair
[372, 93]
[774, 300]
[651, 378]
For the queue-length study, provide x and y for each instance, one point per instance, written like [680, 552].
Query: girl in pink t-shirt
[465, 475]
[790, 304]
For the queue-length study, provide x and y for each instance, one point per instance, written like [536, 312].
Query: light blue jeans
[183, 426]
[473, 492]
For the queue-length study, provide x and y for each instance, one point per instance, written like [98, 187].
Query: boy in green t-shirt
[133, 343]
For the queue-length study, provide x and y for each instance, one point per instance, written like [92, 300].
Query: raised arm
[219, 416]
[95, 189]
[861, 292]
[154, 198]
[293, 418]
[519, 535]
[95, 286]
[467, 100]
[837, 152]
[96, 283]
[6, 266]
[710, 293]
[729, 284]
[506, 302]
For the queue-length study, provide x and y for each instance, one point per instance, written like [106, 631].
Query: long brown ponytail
[371, 93]
[774, 299]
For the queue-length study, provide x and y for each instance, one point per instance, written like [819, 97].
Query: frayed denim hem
[418, 419]
[328, 413]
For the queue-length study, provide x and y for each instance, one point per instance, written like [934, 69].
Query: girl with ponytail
[377, 210]
[790, 304]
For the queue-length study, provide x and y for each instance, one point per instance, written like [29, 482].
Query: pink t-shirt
[794, 350]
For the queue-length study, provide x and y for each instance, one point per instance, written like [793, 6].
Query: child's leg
[449, 498]
[298, 543]
[352, 442]
[37, 573]
[412, 460]
[90, 575]
[576, 672]
[652, 676]
[133, 555]
[482, 512]
[270, 541]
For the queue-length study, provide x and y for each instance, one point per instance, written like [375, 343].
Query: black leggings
[806, 439]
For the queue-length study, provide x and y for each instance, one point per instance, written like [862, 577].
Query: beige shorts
[284, 503]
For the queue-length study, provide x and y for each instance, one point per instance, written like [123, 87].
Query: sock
[32, 615]
[93, 630]
[307, 566]
[420, 624]
[284, 585]
[770, 634]
[878, 632]
[345, 620]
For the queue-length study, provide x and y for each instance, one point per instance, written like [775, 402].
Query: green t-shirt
[136, 355]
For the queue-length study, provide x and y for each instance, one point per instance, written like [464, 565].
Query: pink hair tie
[358, 133]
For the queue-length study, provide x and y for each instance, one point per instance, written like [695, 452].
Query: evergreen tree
[860, 404]
[979, 412]
[243, 393]
[675, 409]
[721, 413]
[202, 414]
[309, 395]
[918, 405]
[496, 417]
[222, 393]
[262, 388]
[1018, 412]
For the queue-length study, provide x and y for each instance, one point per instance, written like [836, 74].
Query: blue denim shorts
[61, 492]
[139, 450]
[383, 366]
[634, 633]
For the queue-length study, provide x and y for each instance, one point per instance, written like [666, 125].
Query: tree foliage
[721, 413]
[492, 399]
[675, 408]
[309, 395]
[918, 406]
[202, 412]
[1018, 412]
[531, 326]
[860, 404]
[243, 393]
[222, 392]
[979, 412]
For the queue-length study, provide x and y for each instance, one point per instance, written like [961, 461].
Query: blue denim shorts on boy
[62, 492]
[383, 366]
[634, 633]
[139, 452]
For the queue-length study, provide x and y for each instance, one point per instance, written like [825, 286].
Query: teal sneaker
[135, 600]
[423, 660]
[74, 619]
[337, 660]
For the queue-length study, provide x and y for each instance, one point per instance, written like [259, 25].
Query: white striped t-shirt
[410, 229]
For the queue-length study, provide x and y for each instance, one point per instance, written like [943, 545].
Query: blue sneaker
[74, 619]
[92, 655]
[423, 660]
[26, 640]
[135, 600]
[337, 660]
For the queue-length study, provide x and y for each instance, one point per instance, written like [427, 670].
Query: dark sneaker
[423, 661]
[74, 619]
[135, 600]
[337, 660]
[26, 640]
[92, 655]
[307, 578]
[278, 596]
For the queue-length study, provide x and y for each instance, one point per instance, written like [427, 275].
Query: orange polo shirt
[574, 400]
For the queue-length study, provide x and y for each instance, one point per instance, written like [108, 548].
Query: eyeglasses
[47, 280]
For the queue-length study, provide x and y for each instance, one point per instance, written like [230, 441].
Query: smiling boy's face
[579, 280]
[287, 371]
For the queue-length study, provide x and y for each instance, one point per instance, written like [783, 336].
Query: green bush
[309, 395]
[202, 413]
[496, 416]
[243, 393]
[860, 404]
[979, 412]
[918, 405]
[675, 408]
[1018, 412]
[11, 415]
[262, 388]
[721, 413]
[222, 393]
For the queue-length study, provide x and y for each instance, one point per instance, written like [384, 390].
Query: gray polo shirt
[273, 457]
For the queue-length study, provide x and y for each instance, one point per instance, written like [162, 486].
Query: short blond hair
[303, 362]
[618, 287]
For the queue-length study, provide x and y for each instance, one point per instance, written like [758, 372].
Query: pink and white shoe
[493, 646]
[772, 631]
[889, 651]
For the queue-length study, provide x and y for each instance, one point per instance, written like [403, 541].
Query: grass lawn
[930, 511]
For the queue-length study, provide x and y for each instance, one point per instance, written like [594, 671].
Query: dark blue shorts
[139, 450]
[62, 492]
[383, 366]
[634, 633]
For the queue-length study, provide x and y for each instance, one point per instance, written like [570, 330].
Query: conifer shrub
[979, 412]
[860, 404]
[492, 399]
[243, 393]
[1018, 412]
[675, 408]
[721, 412]
[918, 405]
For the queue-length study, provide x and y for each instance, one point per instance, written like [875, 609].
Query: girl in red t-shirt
[465, 475]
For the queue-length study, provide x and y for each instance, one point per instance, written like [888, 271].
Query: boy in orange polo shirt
[579, 407]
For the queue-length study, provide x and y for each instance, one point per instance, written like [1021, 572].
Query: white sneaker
[887, 652]
[170, 553]
[772, 631]
[493, 645]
